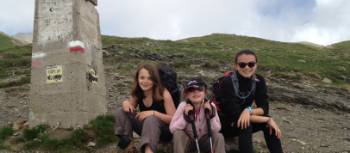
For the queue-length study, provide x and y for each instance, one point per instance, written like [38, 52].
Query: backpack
[168, 78]
[216, 90]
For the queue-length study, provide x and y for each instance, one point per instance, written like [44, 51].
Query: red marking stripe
[76, 49]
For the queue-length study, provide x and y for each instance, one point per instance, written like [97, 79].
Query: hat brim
[191, 88]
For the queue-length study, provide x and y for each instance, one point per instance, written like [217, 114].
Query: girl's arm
[258, 111]
[273, 127]
[178, 121]
[169, 108]
[259, 119]
[215, 121]
[129, 105]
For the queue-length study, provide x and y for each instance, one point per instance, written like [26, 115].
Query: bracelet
[250, 110]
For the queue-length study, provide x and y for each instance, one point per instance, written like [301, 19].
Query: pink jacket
[179, 123]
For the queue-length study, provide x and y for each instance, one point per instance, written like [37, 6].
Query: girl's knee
[179, 135]
[218, 136]
[119, 112]
[249, 129]
[151, 121]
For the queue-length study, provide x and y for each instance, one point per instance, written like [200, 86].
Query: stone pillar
[67, 83]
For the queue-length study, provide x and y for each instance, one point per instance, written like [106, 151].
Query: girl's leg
[218, 142]
[272, 142]
[150, 134]
[180, 141]
[125, 124]
[123, 128]
[245, 140]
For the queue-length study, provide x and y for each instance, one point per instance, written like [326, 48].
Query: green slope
[215, 51]
[7, 42]
[277, 57]
[15, 66]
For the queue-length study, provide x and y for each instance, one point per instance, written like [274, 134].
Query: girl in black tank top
[151, 123]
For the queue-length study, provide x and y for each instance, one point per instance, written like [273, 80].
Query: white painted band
[76, 43]
[38, 55]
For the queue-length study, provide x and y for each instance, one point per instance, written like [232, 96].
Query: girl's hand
[144, 114]
[273, 126]
[187, 108]
[127, 107]
[244, 120]
[208, 106]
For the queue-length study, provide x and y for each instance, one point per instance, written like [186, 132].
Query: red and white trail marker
[76, 47]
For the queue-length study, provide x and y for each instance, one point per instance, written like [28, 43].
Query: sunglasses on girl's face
[243, 65]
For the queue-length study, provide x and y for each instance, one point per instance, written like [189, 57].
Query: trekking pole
[192, 119]
[207, 116]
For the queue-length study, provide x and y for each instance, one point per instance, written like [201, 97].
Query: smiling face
[246, 65]
[144, 80]
[196, 95]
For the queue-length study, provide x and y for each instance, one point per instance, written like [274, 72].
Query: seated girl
[156, 109]
[196, 113]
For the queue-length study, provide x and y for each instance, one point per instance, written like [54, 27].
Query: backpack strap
[235, 84]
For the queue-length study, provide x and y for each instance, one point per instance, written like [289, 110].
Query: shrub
[5, 133]
[79, 137]
[35, 132]
[103, 126]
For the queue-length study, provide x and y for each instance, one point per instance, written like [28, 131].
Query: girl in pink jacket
[200, 112]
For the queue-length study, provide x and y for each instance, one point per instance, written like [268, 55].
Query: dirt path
[309, 129]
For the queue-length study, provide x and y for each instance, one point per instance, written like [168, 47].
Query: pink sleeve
[178, 122]
[215, 122]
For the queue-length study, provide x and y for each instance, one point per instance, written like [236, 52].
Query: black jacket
[231, 106]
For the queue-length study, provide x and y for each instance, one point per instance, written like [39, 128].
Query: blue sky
[319, 21]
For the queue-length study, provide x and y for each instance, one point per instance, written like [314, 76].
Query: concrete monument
[67, 83]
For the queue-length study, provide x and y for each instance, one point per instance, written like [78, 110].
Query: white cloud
[16, 16]
[330, 23]
[318, 21]
[175, 19]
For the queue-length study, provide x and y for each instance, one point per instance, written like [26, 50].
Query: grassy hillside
[277, 57]
[6, 41]
[15, 65]
[215, 51]
[342, 47]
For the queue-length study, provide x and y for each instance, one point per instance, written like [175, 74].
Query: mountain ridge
[26, 38]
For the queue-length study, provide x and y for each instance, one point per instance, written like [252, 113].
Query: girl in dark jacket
[243, 105]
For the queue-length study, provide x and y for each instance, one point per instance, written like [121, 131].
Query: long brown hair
[157, 89]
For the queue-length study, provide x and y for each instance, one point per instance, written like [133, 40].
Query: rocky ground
[314, 117]
[14, 104]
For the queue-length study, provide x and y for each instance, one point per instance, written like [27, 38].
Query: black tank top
[158, 106]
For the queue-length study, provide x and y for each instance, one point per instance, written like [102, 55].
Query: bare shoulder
[166, 94]
[167, 97]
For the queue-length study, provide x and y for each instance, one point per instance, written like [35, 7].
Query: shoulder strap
[235, 84]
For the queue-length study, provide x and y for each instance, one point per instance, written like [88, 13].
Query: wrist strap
[250, 110]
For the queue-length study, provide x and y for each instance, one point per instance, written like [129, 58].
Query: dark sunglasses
[195, 89]
[243, 65]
